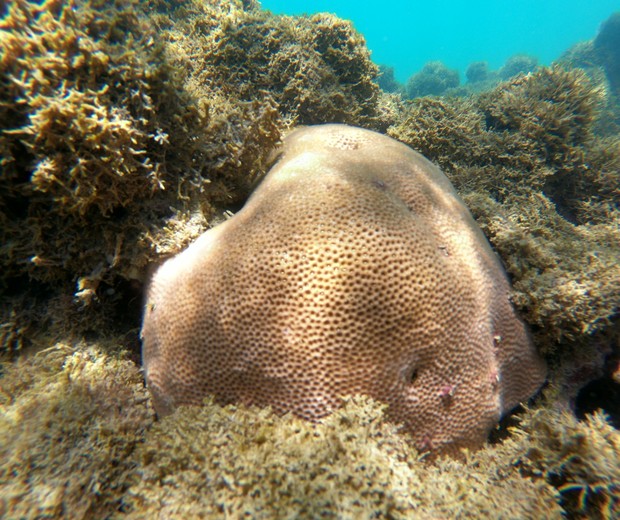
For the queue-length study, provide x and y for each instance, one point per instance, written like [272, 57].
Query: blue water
[407, 34]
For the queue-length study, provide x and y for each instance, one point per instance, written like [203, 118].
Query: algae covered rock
[70, 418]
[580, 458]
[315, 69]
[478, 72]
[600, 59]
[518, 64]
[541, 184]
[607, 46]
[126, 128]
[235, 461]
[387, 81]
[433, 80]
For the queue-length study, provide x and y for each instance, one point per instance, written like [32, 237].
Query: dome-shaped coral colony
[353, 269]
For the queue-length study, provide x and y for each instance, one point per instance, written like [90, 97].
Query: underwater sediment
[129, 129]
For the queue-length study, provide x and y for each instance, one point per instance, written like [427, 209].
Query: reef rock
[354, 268]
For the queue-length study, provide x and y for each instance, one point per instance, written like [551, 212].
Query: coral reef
[433, 80]
[128, 128]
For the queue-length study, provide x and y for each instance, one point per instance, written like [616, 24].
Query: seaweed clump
[579, 458]
[129, 128]
[70, 417]
[78, 440]
[87, 132]
[235, 461]
[600, 59]
[543, 187]
[314, 69]
[434, 79]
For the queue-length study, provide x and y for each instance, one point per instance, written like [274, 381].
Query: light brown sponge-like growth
[354, 268]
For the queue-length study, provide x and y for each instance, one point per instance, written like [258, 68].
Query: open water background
[407, 34]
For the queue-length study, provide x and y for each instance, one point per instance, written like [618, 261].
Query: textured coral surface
[354, 268]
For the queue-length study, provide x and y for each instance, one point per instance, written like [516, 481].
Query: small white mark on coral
[444, 250]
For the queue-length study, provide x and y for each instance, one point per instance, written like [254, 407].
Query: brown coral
[354, 268]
